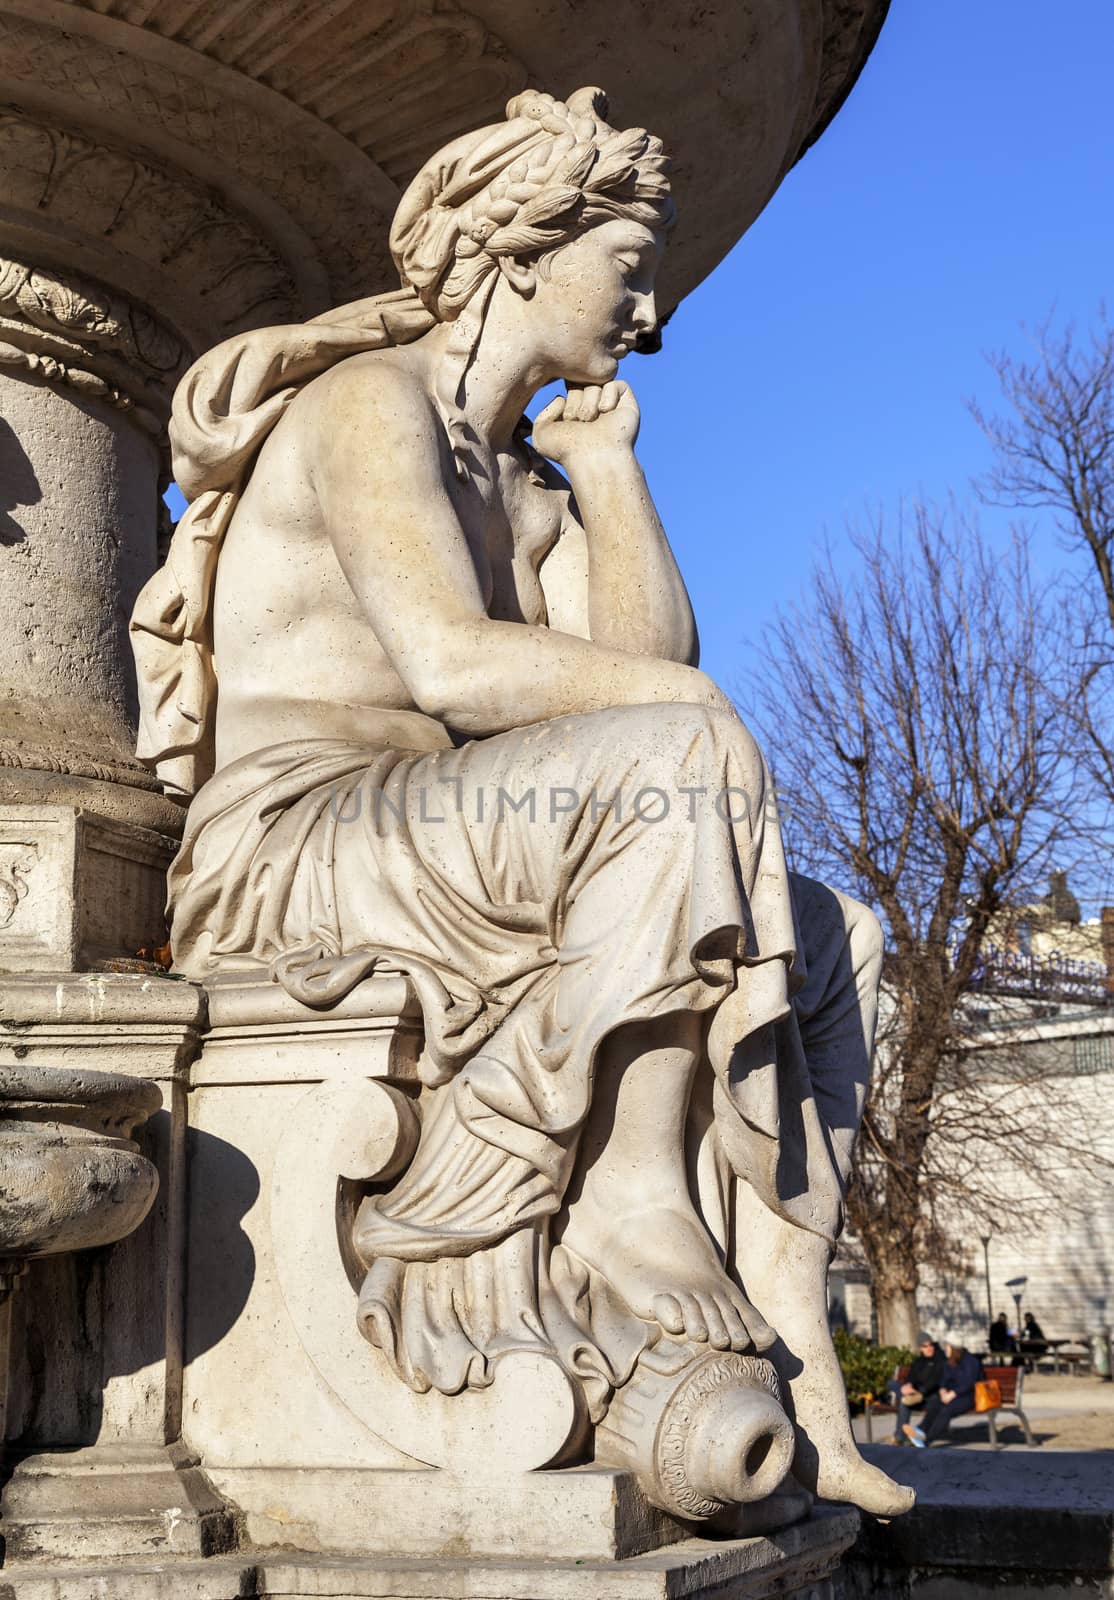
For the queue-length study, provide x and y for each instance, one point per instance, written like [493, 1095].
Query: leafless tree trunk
[915, 730]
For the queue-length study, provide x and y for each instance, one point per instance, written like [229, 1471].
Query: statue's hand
[590, 421]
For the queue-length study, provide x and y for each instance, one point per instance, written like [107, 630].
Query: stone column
[85, 383]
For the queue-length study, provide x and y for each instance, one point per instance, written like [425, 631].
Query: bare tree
[915, 730]
[1054, 452]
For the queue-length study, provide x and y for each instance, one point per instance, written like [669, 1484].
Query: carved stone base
[77, 890]
[799, 1563]
[95, 1338]
[594, 1512]
[588, 1512]
[287, 1104]
[272, 1128]
[113, 1502]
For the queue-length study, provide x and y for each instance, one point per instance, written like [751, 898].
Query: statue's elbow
[435, 688]
[448, 686]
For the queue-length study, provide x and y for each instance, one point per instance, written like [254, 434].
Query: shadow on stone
[80, 1320]
[224, 1185]
[18, 484]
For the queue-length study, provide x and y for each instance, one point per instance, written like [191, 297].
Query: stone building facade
[1040, 1021]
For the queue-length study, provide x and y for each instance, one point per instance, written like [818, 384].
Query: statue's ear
[521, 275]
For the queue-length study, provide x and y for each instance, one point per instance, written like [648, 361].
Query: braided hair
[525, 187]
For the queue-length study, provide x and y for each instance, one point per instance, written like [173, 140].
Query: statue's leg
[787, 1276]
[631, 1214]
[605, 876]
[785, 1265]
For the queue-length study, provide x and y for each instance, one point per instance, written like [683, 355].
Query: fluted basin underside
[249, 157]
[71, 1177]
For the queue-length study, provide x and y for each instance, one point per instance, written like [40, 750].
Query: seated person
[954, 1398]
[921, 1384]
[1002, 1341]
[1033, 1334]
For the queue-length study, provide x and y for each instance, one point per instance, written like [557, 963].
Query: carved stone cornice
[66, 761]
[215, 200]
[155, 233]
[84, 337]
[301, 122]
[398, 78]
[71, 1175]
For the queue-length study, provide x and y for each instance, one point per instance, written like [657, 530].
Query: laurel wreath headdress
[519, 189]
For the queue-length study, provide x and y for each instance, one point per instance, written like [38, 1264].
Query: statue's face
[594, 298]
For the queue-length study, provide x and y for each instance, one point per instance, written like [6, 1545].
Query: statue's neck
[503, 376]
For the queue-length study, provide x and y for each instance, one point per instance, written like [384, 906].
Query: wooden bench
[1009, 1380]
[873, 1407]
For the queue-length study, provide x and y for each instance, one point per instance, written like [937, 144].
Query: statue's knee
[670, 734]
[866, 938]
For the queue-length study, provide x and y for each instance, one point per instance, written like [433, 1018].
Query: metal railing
[1050, 977]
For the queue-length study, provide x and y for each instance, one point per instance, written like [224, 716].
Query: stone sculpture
[436, 711]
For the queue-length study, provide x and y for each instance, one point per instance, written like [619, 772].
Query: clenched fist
[589, 421]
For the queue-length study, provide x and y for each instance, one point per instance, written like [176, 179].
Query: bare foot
[662, 1261]
[844, 1476]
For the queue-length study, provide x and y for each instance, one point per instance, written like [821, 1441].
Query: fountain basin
[71, 1175]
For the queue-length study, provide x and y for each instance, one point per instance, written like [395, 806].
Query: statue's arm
[637, 598]
[378, 475]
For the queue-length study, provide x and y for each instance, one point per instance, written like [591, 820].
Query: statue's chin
[600, 370]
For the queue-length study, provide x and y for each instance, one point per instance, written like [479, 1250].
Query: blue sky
[966, 187]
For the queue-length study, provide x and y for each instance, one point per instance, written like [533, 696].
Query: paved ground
[1065, 1413]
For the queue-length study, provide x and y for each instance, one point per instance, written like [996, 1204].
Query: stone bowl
[71, 1176]
[235, 166]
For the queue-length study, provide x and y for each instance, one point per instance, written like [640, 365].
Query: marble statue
[429, 686]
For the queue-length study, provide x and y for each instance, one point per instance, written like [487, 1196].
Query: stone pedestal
[800, 1563]
[110, 1503]
[77, 890]
[259, 1422]
[292, 1112]
[94, 1389]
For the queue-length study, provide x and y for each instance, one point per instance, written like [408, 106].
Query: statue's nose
[645, 313]
[648, 342]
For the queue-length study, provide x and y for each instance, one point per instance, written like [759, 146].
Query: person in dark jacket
[1002, 1341]
[1033, 1336]
[921, 1384]
[954, 1398]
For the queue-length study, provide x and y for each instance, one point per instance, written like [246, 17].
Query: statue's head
[558, 205]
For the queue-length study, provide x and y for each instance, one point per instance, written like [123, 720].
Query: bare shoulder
[379, 392]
